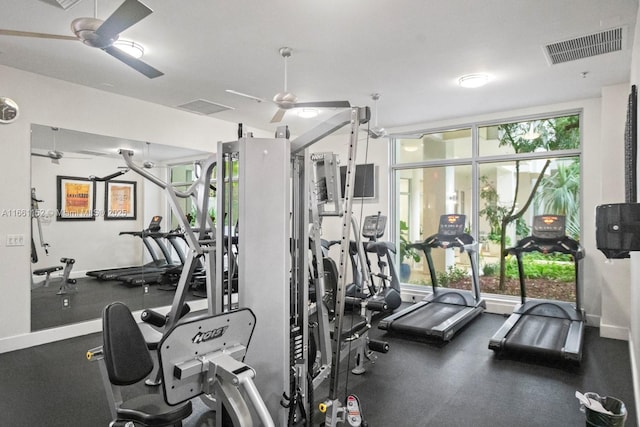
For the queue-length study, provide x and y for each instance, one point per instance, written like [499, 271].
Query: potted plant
[406, 253]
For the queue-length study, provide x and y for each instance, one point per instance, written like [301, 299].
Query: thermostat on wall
[8, 110]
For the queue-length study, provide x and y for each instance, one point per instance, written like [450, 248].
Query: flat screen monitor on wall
[365, 181]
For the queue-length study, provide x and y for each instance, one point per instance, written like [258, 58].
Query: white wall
[56, 103]
[634, 333]
[614, 322]
[93, 244]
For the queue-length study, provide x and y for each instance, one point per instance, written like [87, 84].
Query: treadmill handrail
[465, 242]
[565, 245]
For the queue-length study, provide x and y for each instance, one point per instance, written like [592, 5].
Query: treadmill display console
[548, 227]
[451, 225]
[154, 225]
[373, 227]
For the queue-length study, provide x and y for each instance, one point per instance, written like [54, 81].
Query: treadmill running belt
[421, 321]
[545, 335]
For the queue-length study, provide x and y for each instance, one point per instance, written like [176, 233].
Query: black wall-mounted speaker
[618, 229]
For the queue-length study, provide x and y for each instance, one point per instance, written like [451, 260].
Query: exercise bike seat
[380, 247]
[128, 361]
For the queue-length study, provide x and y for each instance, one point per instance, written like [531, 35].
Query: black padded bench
[67, 283]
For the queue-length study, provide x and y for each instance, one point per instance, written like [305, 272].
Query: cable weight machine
[269, 198]
[273, 274]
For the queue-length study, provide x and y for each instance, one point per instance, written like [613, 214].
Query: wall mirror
[78, 215]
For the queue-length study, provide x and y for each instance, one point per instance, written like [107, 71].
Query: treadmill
[155, 274]
[547, 328]
[146, 235]
[445, 311]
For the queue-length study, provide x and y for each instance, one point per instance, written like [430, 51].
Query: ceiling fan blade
[41, 155]
[134, 63]
[322, 104]
[278, 116]
[376, 133]
[244, 95]
[129, 13]
[36, 35]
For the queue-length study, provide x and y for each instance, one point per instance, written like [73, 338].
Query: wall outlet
[66, 302]
[15, 239]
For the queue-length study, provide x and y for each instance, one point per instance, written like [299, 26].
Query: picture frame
[76, 199]
[120, 200]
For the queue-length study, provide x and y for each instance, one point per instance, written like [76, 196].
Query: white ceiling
[85, 145]
[409, 51]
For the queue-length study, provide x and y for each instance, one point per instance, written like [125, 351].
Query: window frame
[475, 161]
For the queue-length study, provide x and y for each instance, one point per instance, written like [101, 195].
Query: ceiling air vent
[585, 46]
[66, 4]
[202, 106]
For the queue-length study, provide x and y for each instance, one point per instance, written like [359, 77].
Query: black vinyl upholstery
[128, 361]
[125, 351]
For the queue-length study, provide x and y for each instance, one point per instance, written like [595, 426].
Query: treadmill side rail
[496, 343]
[447, 329]
[573, 345]
[385, 324]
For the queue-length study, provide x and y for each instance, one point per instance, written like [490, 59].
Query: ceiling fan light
[473, 80]
[130, 47]
[308, 113]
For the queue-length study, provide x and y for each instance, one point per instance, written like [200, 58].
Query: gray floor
[416, 384]
[92, 295]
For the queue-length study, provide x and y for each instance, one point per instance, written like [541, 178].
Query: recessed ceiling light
[473, 80]
[307, 113]
[132, 48]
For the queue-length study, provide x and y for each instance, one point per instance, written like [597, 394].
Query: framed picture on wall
[76, 198]
[120, 200]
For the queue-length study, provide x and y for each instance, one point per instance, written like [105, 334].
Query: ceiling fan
[148, 163]
[376, 131]
[102, 34]
[54, 154]
[286, 100]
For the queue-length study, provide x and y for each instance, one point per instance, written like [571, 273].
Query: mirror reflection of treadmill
[546, 328]
[151, 233]
[156, 274]
[443, 313]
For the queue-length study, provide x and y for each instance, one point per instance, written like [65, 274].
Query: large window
[499, 175]
[182, 177]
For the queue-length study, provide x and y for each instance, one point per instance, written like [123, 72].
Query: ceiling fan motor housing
[285, 99]
[85, 30]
